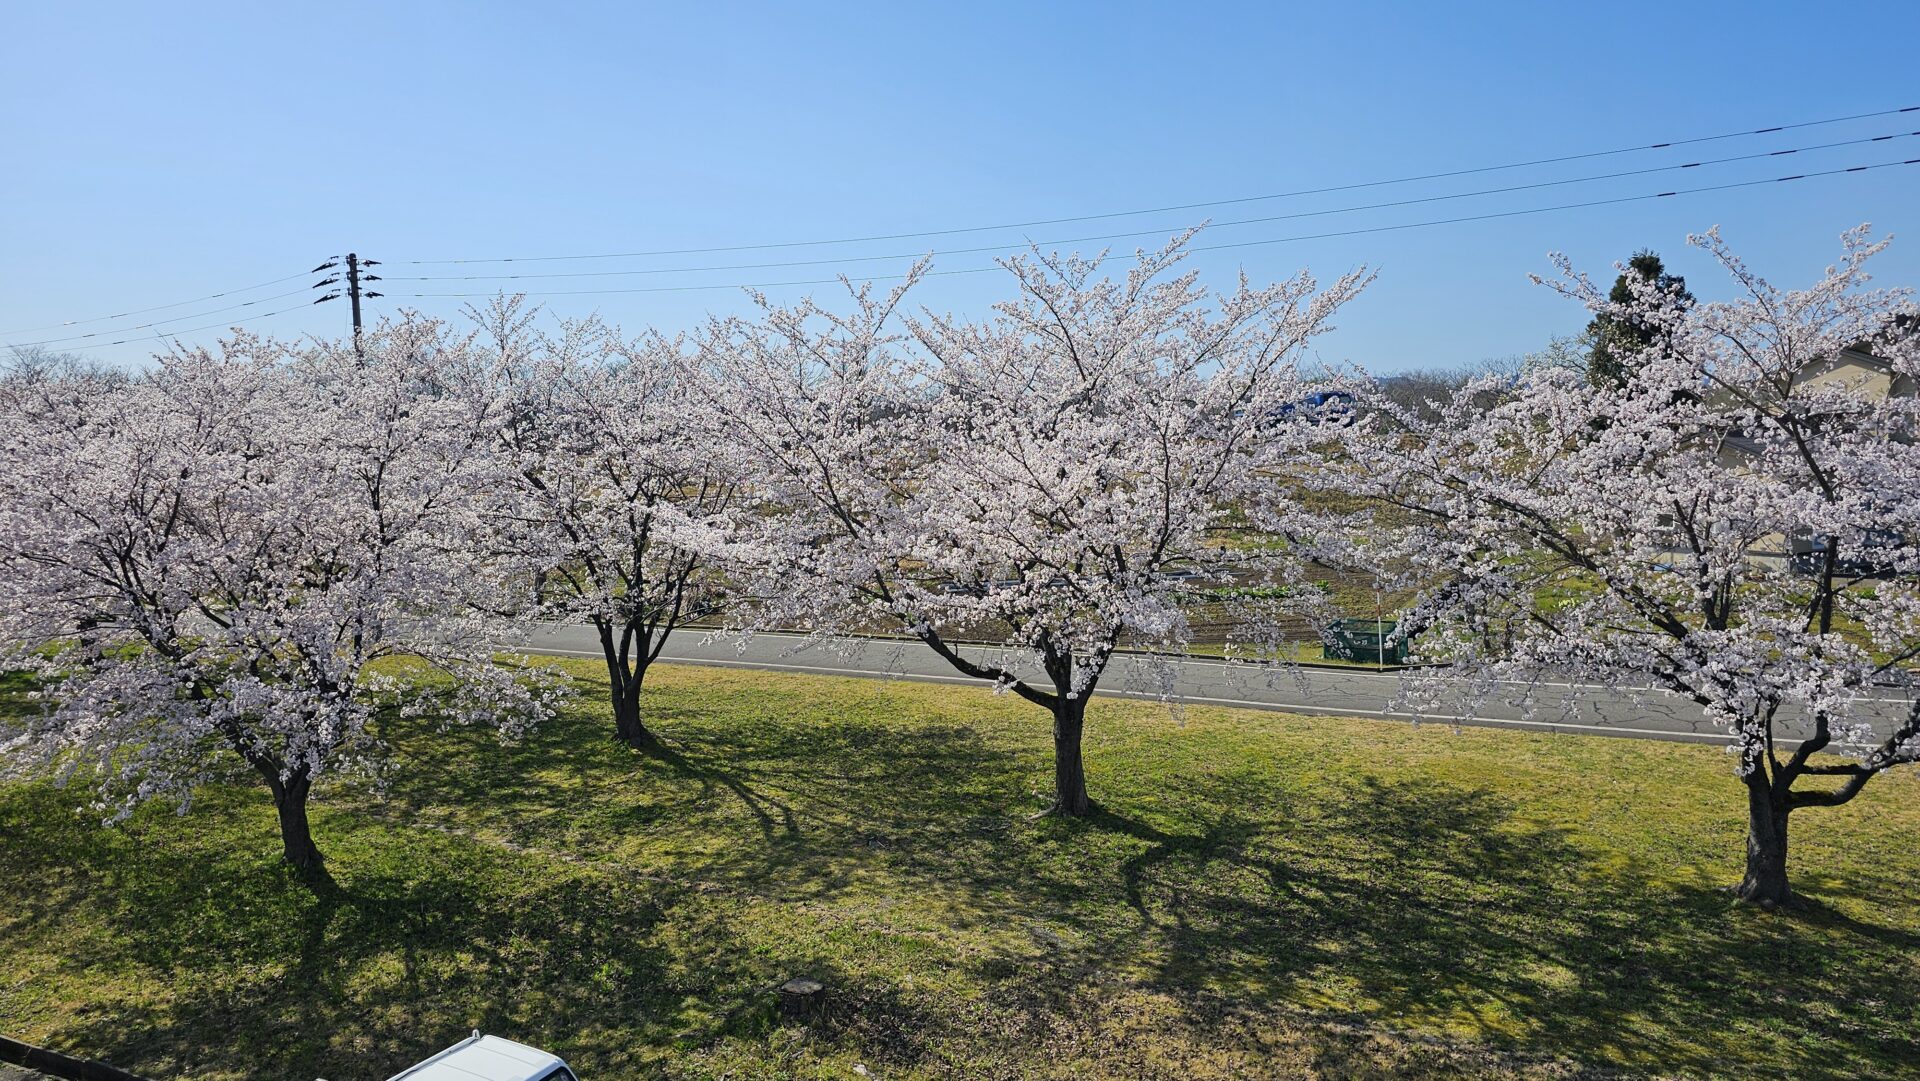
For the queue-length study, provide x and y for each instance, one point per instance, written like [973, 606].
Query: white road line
[1196, 662]
[1333, 711]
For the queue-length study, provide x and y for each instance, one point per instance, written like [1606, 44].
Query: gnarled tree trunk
[1067, 704]
[623, 687]
[1765, 883]
[628, 725]
[296, 837]
[1069, 773]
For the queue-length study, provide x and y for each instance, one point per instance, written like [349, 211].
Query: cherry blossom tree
[204, 562]
[1056, 479]
[621, 487]
[1734, 523]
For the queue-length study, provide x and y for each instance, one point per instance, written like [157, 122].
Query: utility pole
[353, 290]
[356, 275]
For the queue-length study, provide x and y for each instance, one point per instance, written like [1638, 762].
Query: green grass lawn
[1262, 895]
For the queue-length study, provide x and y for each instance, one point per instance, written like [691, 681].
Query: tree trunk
[1766, 881]
[296, 838]
[1069, 775]
[624, 687]
[627, 723]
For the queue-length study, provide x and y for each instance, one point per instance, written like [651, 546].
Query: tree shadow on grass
[1229, 898]
[427, 932]
[1441, 909]
[419, 940]
[764, 803]
[774, 817]
[1438, 906]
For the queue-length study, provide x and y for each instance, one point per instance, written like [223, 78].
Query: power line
[1243, 243]
[355, 277]
[186, 330]
[1209, 247]
[155, 308]
[162, 322]
[1186, 206]
[1051, 221]
[1154, 232]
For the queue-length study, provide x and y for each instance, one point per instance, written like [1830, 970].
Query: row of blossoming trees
[205, 561]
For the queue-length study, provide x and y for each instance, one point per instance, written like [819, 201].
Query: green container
[1361, 640]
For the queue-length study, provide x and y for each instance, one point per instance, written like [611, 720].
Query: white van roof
[483, 1058]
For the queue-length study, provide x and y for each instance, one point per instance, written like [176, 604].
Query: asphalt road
[1556, 707]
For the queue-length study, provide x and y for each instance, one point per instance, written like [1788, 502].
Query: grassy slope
[1264, 894]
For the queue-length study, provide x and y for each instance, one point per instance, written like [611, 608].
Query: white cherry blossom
[1736, 525]
[205, 560]
[1053, 480]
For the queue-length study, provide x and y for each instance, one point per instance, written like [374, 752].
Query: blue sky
[158, 154]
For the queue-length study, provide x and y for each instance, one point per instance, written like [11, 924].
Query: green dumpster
[1362, 640]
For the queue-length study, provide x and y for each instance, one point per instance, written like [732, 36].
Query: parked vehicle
[488, 1058]
[1371, 641]
[1329, 405]
[1874, 557]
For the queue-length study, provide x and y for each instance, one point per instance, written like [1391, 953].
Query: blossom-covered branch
[1734, 521]
[205, 561]
[1055, 479]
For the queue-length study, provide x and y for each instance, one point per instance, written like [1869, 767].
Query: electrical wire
[185, 330]
[1154, 232]
[155, 308]
[1185, 206]
[1239, 244]
[162, 322]
[1050, 221]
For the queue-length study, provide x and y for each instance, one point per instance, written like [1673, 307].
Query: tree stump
[802, 997]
